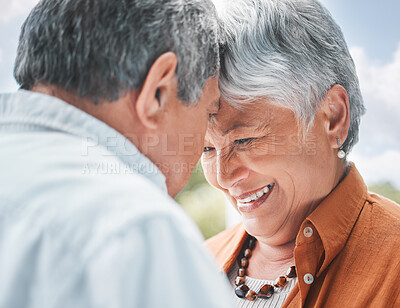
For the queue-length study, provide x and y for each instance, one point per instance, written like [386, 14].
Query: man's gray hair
[102, 49]
[290, 52]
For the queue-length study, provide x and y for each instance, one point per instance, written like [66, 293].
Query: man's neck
[67, 97]
[115, 114]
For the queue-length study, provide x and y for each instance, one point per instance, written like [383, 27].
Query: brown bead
[247, 253]
[244, 263]
[266, 291]
[252, 243]
[241, 272]
[241, 291]
[240, 280]
[291, 273]
[280, 282]
[251, 295]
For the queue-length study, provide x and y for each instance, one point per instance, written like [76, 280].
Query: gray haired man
[114, 103]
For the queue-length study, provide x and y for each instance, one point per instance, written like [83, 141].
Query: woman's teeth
[257, 195]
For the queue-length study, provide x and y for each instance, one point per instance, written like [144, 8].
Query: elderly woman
[311, 235]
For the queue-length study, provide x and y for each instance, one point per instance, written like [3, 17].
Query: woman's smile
[250, 201]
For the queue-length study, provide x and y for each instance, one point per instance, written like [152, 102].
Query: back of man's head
[101, 49]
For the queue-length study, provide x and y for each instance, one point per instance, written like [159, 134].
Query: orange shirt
[348, 250]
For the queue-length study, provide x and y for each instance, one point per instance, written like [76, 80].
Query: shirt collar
[26, 108]
[337, 214]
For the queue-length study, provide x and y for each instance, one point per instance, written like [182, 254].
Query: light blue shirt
[85, 220]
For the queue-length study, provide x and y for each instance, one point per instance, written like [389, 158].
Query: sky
[372, 32]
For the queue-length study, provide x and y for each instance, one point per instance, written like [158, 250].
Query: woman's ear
[337, 114]
[159, 85]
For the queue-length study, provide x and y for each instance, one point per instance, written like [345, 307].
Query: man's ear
[336, 108]
[156, 89]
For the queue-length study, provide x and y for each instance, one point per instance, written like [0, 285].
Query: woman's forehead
[239, 116]
[250, 115]
[253, 118]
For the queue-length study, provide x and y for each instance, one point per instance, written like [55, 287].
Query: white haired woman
[311, 234]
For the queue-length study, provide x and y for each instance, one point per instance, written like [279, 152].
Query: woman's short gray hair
[101, 49]
[290, 52]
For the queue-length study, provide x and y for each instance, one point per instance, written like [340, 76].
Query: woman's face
[272, 175]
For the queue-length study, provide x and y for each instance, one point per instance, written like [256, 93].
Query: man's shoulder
[119, 237]
[226, 245]
[92, 216]
[83, 199]
[123, 204]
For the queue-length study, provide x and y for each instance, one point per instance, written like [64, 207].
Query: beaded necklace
[267, 290]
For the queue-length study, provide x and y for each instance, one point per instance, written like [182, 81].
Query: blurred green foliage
[204, 204]
[387, 190]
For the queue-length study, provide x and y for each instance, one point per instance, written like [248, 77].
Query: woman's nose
[230, 171]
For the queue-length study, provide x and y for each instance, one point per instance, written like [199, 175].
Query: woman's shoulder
[387, 210]
[378, 224]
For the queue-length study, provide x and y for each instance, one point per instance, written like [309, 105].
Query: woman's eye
[208, 149]
[243, 141]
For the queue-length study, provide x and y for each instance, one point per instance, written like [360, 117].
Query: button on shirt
[85, 220]
[308, 232]
[347, 251]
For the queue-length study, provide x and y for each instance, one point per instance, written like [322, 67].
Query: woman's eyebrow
[257, 128]
[235, 126]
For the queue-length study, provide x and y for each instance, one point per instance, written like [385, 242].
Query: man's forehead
[211, 87]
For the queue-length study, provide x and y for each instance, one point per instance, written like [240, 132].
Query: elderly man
[114, 103]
